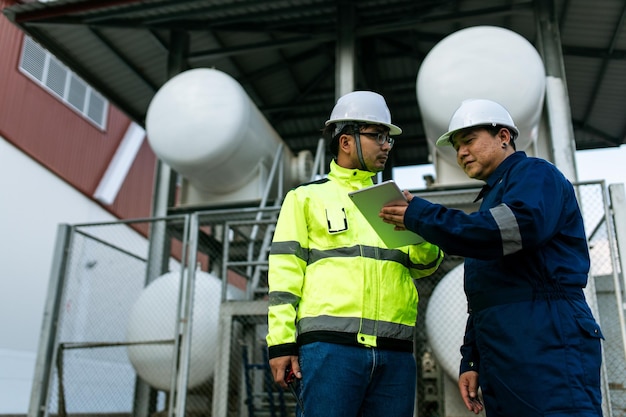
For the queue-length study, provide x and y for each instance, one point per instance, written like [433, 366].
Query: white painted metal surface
[479, 62]
[153, 318]
[204, 126]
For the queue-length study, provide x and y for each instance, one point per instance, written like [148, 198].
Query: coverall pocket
[590, 349]
[589, 326]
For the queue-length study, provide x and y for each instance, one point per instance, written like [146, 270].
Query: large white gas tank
[479, 62]
[202, 124]
[153, 318]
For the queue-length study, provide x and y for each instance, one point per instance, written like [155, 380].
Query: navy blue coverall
[530, 333]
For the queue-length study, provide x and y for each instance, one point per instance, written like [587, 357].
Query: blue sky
[602, 164]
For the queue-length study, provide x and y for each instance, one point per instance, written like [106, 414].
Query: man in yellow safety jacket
[343, 306]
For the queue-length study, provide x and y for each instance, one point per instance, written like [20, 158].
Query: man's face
[478, 152]
[375, 155]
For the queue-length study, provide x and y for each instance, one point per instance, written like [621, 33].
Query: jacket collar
[355, 177]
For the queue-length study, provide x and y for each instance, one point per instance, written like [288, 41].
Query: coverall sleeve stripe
[509, 229]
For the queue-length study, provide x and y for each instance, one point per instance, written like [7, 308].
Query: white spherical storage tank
[204, 126]
[481, 62]
[153, 318]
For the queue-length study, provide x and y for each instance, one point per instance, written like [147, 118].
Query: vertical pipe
[163, 197]
[184, 325]
[345, 69]
[47, 340]
[563, 145]
[618, 203]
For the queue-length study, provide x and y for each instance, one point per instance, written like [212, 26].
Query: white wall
[33, 202]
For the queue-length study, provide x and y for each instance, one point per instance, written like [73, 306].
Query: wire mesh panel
[99, 353]
[442, 311]
[235, 245]
[605, 284]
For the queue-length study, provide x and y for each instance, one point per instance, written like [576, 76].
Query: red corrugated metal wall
[138, 186]
[63, 141]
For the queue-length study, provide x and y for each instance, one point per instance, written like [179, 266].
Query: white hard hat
[478, 112]
[363, 106]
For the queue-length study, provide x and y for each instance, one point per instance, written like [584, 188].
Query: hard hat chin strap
[339, 127]
[359, 152]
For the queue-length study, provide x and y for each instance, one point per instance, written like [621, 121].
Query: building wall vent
[46, 70]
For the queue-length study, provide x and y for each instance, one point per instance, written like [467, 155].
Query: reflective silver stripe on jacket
[283, 297]
[509, 229]
[356, 325]
[313, 255]
[290, 248]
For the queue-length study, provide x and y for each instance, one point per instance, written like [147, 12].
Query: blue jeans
[350, 381]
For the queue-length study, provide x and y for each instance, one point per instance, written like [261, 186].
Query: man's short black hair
[332, 138]
[492, 130]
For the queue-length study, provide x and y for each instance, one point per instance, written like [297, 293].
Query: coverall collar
[499, 172]
[504, 166]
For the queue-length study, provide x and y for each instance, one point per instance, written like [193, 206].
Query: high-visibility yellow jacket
[332, 279]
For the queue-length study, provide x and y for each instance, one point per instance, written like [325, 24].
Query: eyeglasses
[380, 137]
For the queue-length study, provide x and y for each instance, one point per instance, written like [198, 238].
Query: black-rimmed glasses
[380, 137]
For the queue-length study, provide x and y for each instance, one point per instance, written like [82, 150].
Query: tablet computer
[370, 200]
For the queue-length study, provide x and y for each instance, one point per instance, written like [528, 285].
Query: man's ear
[344, 143]
[504, 135]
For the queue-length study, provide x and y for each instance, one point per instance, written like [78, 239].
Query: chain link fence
[139, 322]
[607, 283]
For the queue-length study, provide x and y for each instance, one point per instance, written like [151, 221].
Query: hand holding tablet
[370, 201]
